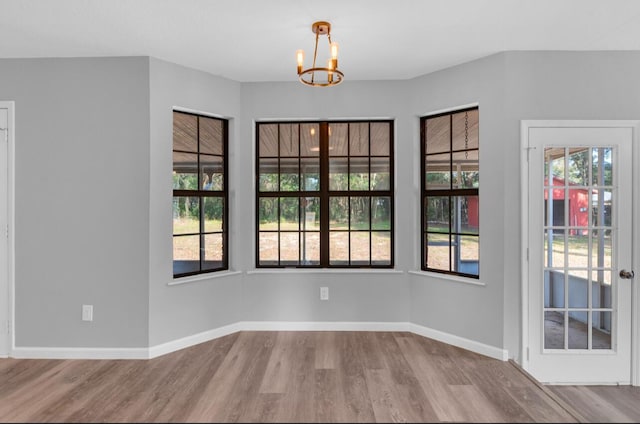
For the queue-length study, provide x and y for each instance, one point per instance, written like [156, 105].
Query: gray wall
[98, 133]
[465, 310]
[352, 297]
[183, 310]
[81, 205]
[554, 85]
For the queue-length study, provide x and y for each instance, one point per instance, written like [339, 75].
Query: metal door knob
[627, 275]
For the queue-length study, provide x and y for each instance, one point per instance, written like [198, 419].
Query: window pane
[289, 140]
[465, 169]
[289, 213]
[578, 330]
[381, 213]
[338, 139]
[310, 174]
[578, 162]
[311, 213]
[268, 213]
[467, 261]
[212, 251]
[438, 172]
[360, 213]
[185, 171]
[212, 172]
[554, 212]
[186, 254]
[438, 251]
[185, 133]
[380, 142]
[289, 248]
[338, 174]
[268, 175]
[465, 130]
[211, 136]
[338, 213]
[268, 140]
[359, 174]
[381, 248]
[268, 248]
[601, 210]
[213, 213]
[602, 172]
[359, 139]
[360, 249]
[309, 139]
[601, 288]
[380, 174]
[554, 165]
[437, 134]
[289, 175]
[437, 214]
[339, 248]
[601, 330]
[186, 215]
[554, 289]
[553, 330]
[310, 249]
[465, 214]
[554, 249]
[578, 252]
[578, 289]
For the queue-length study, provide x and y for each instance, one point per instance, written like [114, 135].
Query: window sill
[200, 277]
[454, 278]
[323, 271]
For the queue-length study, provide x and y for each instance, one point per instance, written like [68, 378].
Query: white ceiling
[256, 40]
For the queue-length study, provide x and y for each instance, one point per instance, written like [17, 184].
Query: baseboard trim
[79, 353]
[323, 326]
[205, 336]
[472, 345]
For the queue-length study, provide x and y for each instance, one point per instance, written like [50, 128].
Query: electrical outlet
[87, 312]
[324, 293]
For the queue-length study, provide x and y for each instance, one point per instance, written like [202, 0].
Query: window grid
[451, 239]
[202, 264]
[325, 195]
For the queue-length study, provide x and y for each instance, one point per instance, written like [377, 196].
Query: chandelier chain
[466, 135]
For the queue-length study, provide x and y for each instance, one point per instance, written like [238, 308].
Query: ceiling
[256, 40]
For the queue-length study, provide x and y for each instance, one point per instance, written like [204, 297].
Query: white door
[579, 238]
[4, 240]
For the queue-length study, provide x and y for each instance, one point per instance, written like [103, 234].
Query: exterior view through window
[200, 194]
[324, 194]
[450, 182]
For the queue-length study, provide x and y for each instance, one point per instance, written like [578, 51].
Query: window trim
[451, 192]
[202, 194]
[325, 193]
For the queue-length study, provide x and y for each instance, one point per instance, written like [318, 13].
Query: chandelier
[318, 76]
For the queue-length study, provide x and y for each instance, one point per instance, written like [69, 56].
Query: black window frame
[451, 193]
[202, 194]
[324, 194]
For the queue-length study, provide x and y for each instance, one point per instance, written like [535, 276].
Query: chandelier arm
[315, 54]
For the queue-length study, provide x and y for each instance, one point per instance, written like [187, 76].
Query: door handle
[627, 275]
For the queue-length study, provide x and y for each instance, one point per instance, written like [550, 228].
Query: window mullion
[324, 193]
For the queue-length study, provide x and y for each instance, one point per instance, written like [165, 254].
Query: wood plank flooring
[297, 377]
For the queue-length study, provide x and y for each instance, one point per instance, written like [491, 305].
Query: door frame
[10, 240]
[525, 125]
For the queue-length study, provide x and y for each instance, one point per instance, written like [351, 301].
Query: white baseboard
[473, 346]
[205, 336]
[323, 326]
[79, 353]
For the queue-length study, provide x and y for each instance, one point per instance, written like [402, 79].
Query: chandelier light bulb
[300, 58]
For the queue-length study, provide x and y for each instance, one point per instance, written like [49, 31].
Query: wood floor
[298, 377]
